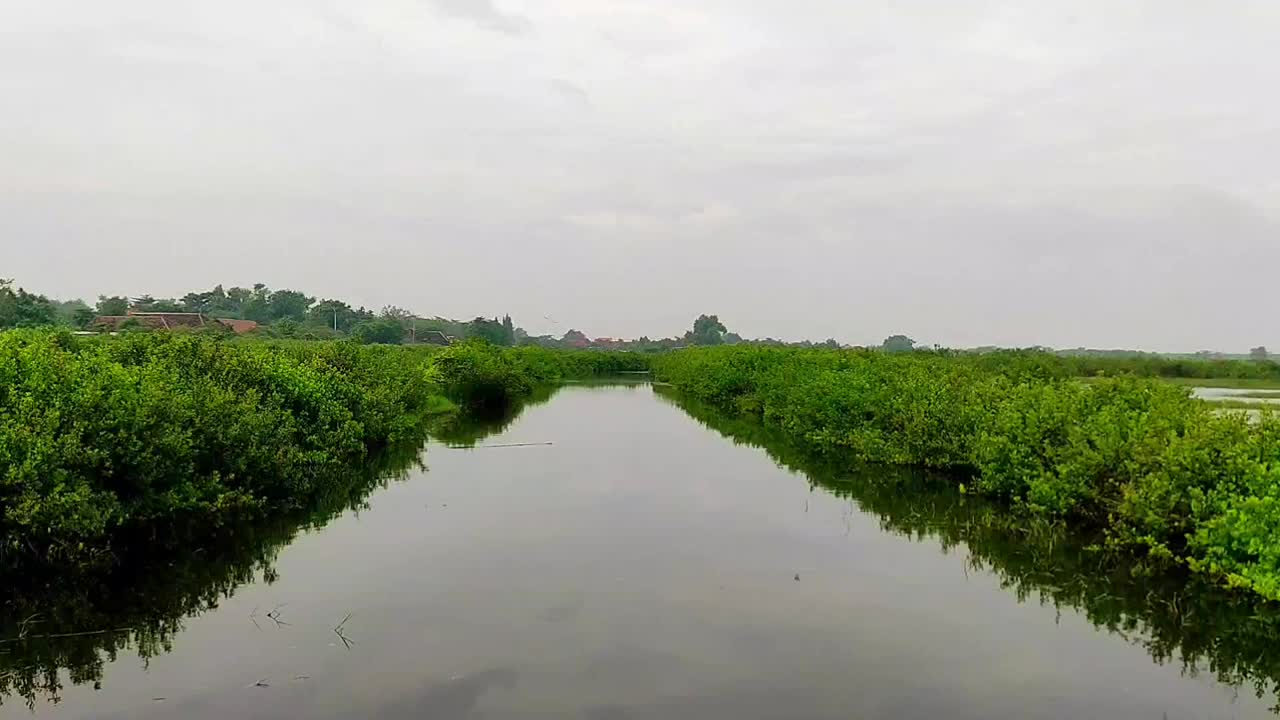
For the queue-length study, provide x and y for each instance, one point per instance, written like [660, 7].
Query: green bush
[1161, 473]
[101, 434]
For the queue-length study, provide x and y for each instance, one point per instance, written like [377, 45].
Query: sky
[975, 172]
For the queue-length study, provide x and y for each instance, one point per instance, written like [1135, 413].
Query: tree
[333, 314]
[73, 313]
[383, 331]
[23, 309]
[82, 318]
[236, 299]
[289, 304]
[898, 344]
[1259, 353]
[576, 339]
[508, 331]
[114, 305]
[708, 330]
[256, 304]
[490, 331]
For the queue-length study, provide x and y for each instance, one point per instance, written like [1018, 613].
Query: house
[170, 321]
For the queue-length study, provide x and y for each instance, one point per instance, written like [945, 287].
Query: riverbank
[1160, 475]
[109, 438]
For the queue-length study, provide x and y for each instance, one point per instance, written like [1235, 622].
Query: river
[644, 566]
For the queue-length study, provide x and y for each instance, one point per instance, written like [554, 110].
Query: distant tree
[381, 331]
[285, 327]
[197, 302]
[256, 304]
[73, 313]
[830, 344]
[114, 305]
[83, 317]
[236, 299]
[732, 338]
[490, 331]
[575, 339]
[508, 331]
[19, 308]
[898, 344]
[398, 314]
[708, 330]
[332, 314]
[1259, 353]
[289, 304]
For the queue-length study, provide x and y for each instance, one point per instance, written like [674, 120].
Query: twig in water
[513, 445]
[253, 617]
[346, 641]
[275, 615]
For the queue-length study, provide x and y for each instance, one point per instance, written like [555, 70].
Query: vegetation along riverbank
[104, 438]
[1157, 473]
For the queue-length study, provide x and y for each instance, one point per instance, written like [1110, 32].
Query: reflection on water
[1176, 617]
[1259, 397]
[640, 567]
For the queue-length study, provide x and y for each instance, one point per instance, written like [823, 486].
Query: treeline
[102, 434]
[280, 313]
[1160, 474]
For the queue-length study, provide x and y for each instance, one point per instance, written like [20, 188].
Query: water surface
[642, 566]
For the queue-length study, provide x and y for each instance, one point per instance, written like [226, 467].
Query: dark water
[643, 566]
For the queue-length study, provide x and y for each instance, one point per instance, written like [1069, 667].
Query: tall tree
[332, 314]
[708, 330]
[289, 304]
[898, 344]
[508, 331]
[488, 330]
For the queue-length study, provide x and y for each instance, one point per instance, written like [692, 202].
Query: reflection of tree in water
[78, 624]
[1176, 616]
[467, 430]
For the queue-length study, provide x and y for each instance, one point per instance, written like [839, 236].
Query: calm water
[1253, 396]
[643, 566]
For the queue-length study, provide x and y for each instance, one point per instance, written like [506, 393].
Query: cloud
[485, 14]
[1064, 172]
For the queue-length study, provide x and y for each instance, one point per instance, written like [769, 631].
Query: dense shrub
[101, 433]
[1161, 473]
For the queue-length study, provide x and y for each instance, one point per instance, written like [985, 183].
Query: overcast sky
[1060, 172]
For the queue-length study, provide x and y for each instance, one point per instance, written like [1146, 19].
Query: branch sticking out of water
[346, 641]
